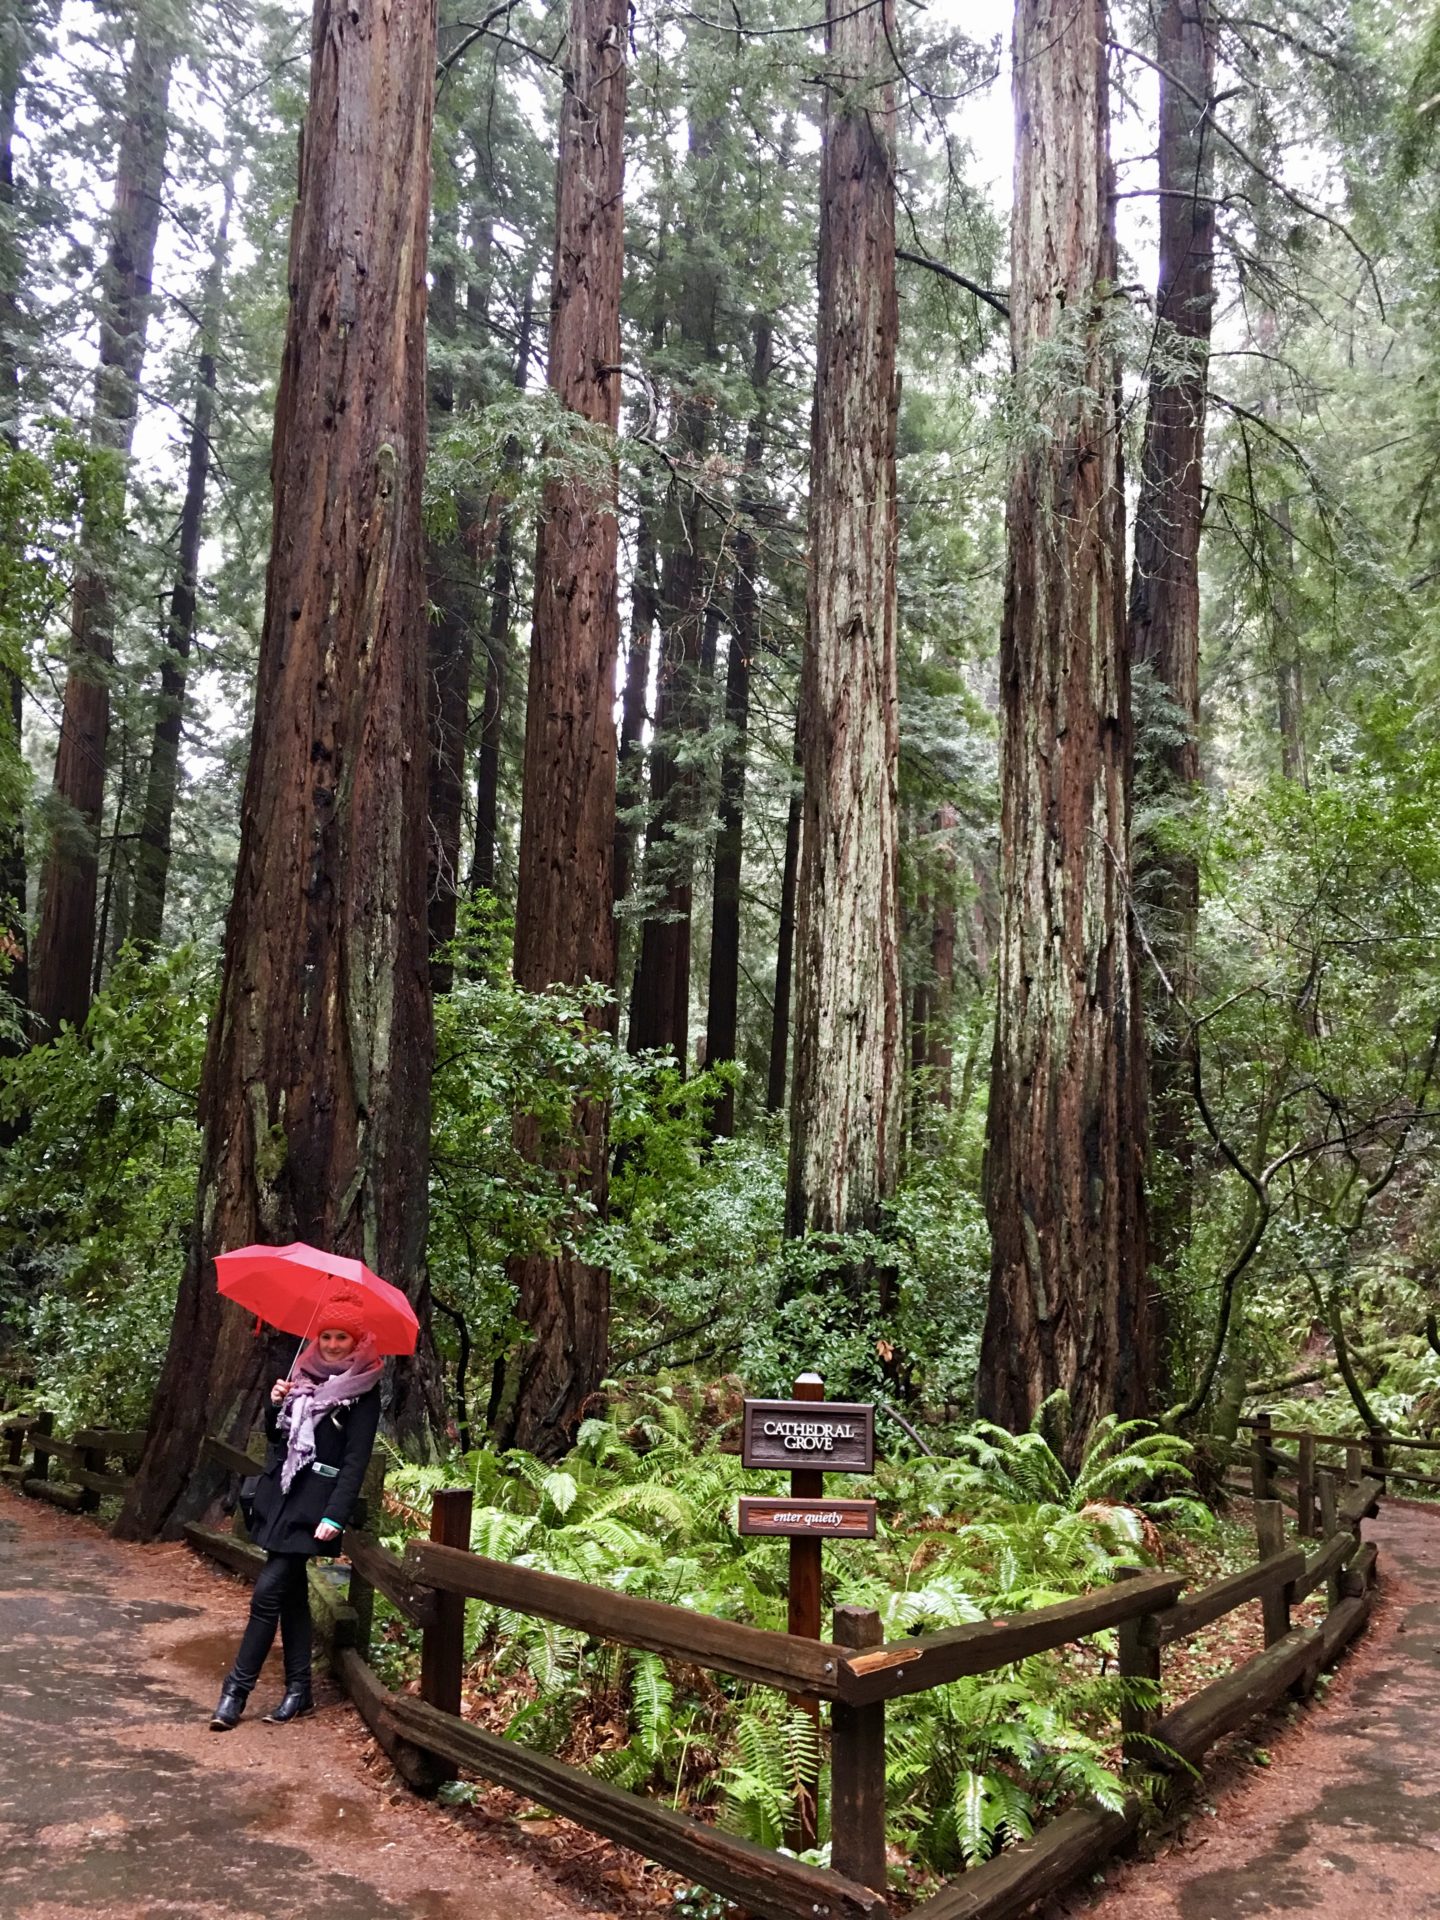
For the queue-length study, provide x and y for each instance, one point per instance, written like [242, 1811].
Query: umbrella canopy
[289, 1287]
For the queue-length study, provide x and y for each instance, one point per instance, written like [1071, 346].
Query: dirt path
[116, 1803]
[1344, 1821]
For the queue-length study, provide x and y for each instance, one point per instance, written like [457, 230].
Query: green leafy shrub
[97, 1189]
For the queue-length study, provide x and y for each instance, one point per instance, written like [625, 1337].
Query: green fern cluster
[645, 1504]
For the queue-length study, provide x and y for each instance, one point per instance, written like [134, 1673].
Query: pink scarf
[320, 1386]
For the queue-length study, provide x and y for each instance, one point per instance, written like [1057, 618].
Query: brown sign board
[825, 1436]
[820, 1519]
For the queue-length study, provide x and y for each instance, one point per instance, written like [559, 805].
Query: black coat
[344, 1439]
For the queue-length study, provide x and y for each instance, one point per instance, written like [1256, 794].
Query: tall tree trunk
[1069, 1298]
[1165, 584]
[315, 1095]
[115, 894]
[723, 1001]
[13, 931]
[565, 909]
[65, 936]
[938, 1057]
[644, 606]
[644, 602]
[499, 643]
[660, 1006]
[785, 953]
[152, 860]
[449, 583]
[846, 1122]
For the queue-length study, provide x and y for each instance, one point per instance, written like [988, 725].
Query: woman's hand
[327, 1530]
[279, 1391]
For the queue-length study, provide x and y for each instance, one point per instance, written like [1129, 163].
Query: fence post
[1305, 1489]
[1261, 1486]
[15, 1445]
[1354, 1463]
[857, 1767]
[1377, 1451]
[1139, 1659]
[92, 1460]
[40, 1462]
[442, 1647]
[1329, 1527]
[1275, 1602]
[806, 1483]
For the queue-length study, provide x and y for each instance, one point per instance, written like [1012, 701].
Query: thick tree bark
[152, 857]
[1165, 583]
[565, 909]
[450, 585]
[723, 1000]
[846, 1122]
[1069, 1299]
[315, 1095]
[65, 936]
[499, 646]
[13, 923]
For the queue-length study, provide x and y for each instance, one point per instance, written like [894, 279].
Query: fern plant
[644, 1504]
[977, 1764]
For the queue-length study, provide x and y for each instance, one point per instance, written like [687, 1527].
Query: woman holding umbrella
[321, 1424]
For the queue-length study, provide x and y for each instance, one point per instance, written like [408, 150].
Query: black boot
[298, 1699]
[232, 1705]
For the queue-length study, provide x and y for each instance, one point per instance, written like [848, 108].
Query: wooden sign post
[829, 1436]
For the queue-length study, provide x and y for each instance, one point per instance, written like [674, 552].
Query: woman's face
[336, 1344]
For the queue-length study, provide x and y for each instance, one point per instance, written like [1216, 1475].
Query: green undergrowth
[645, 1504]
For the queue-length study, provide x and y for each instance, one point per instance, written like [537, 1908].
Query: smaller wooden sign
[826, 1436]
[801, 1519]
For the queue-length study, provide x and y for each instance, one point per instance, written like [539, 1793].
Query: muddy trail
[1334, 1810]
[116, 1803]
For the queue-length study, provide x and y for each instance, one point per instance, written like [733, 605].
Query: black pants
[281, 1598]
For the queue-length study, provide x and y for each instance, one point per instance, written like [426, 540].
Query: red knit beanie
[345, 1312]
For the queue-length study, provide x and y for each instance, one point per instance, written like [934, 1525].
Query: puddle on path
[211, 1654]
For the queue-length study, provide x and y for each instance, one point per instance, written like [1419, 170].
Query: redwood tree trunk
[565, 909]
[1165, 584]
[65, 936]
[660, 1006]
[1069, 1300]
[315, 1095]
[499, 645]
[846, 1123]
[449, 583]
[634, 711]
[723, 999]
[152, 854]
[784, 960]
[938, 1056]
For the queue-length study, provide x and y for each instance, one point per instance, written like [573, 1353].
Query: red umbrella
[290, 1286]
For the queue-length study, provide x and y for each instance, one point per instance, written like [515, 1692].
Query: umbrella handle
[304, 1337]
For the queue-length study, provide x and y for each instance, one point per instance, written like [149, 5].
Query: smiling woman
[321, 1426]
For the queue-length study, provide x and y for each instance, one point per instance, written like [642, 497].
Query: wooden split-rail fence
[857, 1671]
